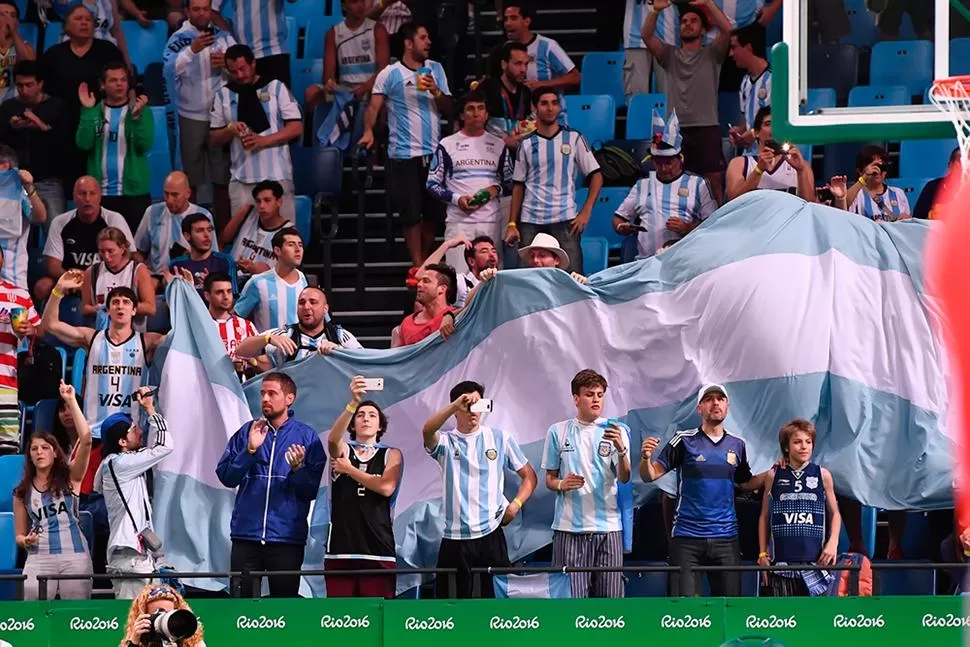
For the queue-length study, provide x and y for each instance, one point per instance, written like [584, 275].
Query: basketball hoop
[952, 96]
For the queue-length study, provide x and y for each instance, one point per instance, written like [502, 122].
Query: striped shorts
[590, 549]
[9, 420]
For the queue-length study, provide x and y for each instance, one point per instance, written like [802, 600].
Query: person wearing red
[18, 319]
[437, 289]
[217, 291]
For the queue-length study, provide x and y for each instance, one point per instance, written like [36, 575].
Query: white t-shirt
[466, 282]
[464, 165]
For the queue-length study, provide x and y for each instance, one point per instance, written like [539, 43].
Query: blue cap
[113, 429]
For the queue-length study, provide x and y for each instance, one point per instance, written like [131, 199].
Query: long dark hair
[60, 480]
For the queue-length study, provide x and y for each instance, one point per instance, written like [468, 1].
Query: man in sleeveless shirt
[250, 232]
[799, 516]
[777, 166]
[117, 358]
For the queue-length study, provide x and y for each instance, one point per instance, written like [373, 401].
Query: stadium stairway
[372, 314]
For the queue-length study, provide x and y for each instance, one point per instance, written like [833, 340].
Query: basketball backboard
[868, 52]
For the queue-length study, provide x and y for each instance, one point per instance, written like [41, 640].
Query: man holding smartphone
[584, 458]
[473, 459]
[777, 166]
[871, 196]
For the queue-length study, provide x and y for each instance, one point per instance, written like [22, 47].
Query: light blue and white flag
[798, 309]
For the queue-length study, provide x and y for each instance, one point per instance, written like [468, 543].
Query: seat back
[639, 116]
[596, 252]
[601, 220]
[834, 66]
[879, 95]
[911, 186]
[316, 32]
[52, 34]
[159, 166]
[602, 73]
[11, 471]
[864, 32]
[904, 62]
[145, 44]
[30, 33]
[8, 543]
[594, 116]
[818, 98]
[925, 157]
[960, 56]
[304, 214]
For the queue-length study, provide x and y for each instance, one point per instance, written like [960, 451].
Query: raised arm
[129, 465]
[235, 223]
[724, 26]
[649, 32]
[76, 336]
[429, 432]
[335, 439]
[384, 484]
[82, 452]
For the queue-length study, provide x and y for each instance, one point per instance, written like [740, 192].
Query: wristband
[436, 93]
[449, 314]
[862, 180]
[57, 293]
[351, 409]
[622, 453]
[266, 340]
[511, 225]
[517, 502]
[763, 555]
[759, 170]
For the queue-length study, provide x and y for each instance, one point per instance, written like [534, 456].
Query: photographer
[152, 608]
[776, 166]
[132, 543]
[871, 196]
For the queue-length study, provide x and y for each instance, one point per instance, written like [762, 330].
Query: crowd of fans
[493, 168]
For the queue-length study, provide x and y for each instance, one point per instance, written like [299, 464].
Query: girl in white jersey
[45, 510]
[117, 269]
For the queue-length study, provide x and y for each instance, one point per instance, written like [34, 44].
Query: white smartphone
[482, 406]
[373, 383]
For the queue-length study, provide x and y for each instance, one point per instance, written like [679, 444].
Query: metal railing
[361, 186]
[254, 578]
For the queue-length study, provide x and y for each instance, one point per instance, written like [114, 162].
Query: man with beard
[201, 261]
[469, 172]
[435, 293]
[270, 298]
[507, 97]
[314, 333]
[480, 255]
[276, 463]
[693, 71]
[709, 462]
[668, 204]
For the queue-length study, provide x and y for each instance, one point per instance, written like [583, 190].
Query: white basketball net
[951, 96]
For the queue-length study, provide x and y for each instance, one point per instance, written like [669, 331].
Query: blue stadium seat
[729, 111]
[292, 33]
[159, 166]
[912, 186]
[594, 116]
[70, 311]
[863, 24]
[21, 9]
[818, 98]
[44, 412]
[879, 95]
[906, 62]
[11, 471]
[159, 322]
[960, 56]
[639, 116]
[160, 136]
[30, 33]
[77, 369]
[8, 546]
[916, 581]
[925, 157]
[145, 44]
[601, 221]
[305, 73]
[646, 585]
[316, 32]
[596, 253]
[304, 214]
[602, 73]
[833, 66]
[303, 172]
[303, 11]
[52, 34]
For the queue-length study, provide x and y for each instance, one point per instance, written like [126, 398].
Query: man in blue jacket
[276, 463]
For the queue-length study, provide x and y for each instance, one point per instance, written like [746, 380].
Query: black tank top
[360, 520]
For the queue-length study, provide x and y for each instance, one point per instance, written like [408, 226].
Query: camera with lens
[170, 627]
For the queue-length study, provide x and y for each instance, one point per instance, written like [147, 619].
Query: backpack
[39, 371]
[618, 167]
[852, 583]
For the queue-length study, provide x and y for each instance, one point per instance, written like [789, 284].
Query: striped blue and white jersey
[54, 519]
[356, 52]
[574, 447]
[196, 82]
[548, 167]
[113, 150]
[15, 212]
[307, 344]
[412, 115]
[271, 163]
[254, 243]
[112, 374]
[741, 13]
[160, 230]
[889, 206]
[261, 24]
[636, 13]
[547, 59]
[652, 202]
[473, 479]
[269, 301]
[464, 165]
[754, 95]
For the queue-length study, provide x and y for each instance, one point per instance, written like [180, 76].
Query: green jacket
[139, 134]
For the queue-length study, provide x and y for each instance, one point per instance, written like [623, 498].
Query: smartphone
[482, 406]
[207, 29]
[373, 383]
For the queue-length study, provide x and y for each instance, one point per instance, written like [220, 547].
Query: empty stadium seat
[30, 33]
[145, 44]
[960, 56]
[316, 32]
[834, 66]
[879, 95]
[906, 62]
[594, 116]
[863, 24]
[639, 116]
[912, 186]
[11, 471]
[159, 166]
[601, 221]
[916, 581]
[44, 412]
[602, 73]
[818, 98]
[305, 72]
[52, 34]
[304, 214]
[596, 252]
[645, 584]
[8, 545]
[925, 157]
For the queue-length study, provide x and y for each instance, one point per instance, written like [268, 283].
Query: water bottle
[480, 197]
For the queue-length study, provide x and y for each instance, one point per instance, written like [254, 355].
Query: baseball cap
[114, 428]
[710, 388]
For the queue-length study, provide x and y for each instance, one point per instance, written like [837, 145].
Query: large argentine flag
[800, 310]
